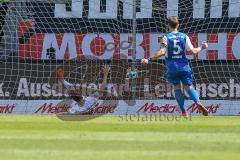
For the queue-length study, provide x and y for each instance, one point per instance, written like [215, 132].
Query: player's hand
[204, 45]
[60, 74]
[144, 61]
[106, 69]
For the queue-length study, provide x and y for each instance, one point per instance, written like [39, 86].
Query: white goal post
[39, 36]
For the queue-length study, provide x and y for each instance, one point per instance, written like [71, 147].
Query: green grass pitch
[115, 138]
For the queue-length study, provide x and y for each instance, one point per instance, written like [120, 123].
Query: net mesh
[37, 37]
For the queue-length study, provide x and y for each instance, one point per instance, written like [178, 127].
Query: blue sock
[194, 95]
[180, 99]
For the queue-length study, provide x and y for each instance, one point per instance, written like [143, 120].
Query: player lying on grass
[82, 104]
[174, 46]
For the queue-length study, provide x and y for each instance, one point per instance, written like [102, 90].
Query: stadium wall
[37, 80]
[36, 91]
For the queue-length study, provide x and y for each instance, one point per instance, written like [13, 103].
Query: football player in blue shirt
[174, 46]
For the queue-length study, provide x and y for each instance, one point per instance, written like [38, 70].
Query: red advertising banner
[222, 46]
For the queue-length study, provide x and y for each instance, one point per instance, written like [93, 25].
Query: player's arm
[106, 70]
[189, 47]
[102, 85]
[160, 53]
[60, 75]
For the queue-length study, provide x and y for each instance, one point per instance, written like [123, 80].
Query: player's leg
[187, 80]
[192, 93]
[195, 97]
[179, 96]
[60, 75]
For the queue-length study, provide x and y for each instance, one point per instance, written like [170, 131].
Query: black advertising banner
[113, 16]
[37, 80]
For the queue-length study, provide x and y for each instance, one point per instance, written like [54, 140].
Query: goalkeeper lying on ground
[82, 104]
[174, 46]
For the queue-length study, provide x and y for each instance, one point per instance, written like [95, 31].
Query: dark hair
[77, 98]
[75, 95]
[173, 22]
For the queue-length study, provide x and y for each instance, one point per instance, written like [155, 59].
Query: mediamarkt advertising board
[141, 107]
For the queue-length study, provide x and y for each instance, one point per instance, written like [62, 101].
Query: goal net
[80, 36]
